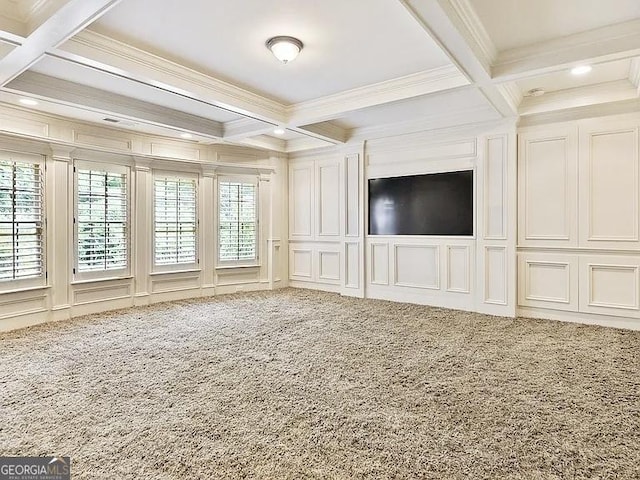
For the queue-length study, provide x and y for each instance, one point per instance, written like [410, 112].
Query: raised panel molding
[548, 280]
[458, 269]
[112, 143]
[352, 195]
[328, 266]
[301, 199]
[495, 188]
[610, 186]
[379, 263]
[548, 178]
[301, 263]
[495, 280]
[26, 126]
[352, 264]
[610, 285]
[328, 201]
[417, 266]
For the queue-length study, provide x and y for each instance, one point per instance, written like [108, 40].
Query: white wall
[60, 143]
[579, 214]
[329, 248]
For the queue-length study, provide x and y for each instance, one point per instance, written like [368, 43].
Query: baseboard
[584, 318]
[325, 287]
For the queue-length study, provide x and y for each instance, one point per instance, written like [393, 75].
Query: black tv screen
[434, 204]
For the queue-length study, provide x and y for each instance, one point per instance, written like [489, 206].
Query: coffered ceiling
[369, 68]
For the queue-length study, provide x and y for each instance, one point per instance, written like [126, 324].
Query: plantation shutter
[175, 221]
[237, 221]
[21, 238]
[102, 229]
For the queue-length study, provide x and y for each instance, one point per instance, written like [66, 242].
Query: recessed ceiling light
[28, 101]
[581, 70]
[186, 135]
[279, 131]
[284, 48]
[535, 92]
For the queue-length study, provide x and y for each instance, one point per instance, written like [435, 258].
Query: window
[175, 221]
[101, 219]
[238, 224]
[21, 238]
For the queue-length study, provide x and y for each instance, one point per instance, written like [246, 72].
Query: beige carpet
[299, 384]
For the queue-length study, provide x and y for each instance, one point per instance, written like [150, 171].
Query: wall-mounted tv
[433, 204]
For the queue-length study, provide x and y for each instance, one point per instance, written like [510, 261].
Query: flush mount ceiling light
[279, 131]
[284, 48]
[28, 101]
[581, 69]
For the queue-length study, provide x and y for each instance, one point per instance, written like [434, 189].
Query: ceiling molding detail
[111, 104]
[109, 55]
[421, 83]
[613, 42]
[325, 131]
[475, 30]
[591, 95]
[245, 127]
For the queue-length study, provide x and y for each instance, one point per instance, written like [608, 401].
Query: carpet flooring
[300, 384]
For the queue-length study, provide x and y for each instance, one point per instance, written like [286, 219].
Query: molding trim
[109, 55]
[613, 42]
[634, 74]
[421, 83]
[475, 30]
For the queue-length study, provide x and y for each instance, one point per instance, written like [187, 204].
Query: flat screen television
[433, 204]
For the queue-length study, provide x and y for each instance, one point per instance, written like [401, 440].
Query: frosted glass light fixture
[284, 48]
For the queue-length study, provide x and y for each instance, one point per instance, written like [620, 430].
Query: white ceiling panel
[606, 72]
[516, 23]
[348, 44]
[442, 106]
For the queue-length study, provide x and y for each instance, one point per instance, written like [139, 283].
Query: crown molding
[109, 55]
[449, 120]
[303, 144]
[512, 93]
[572, 98]
[613, 42]
[622, 107]
[476, 34]
[327, 131]
[332, 106]
[244, 128]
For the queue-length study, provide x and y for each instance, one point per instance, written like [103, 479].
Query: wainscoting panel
[548, 280]
[352, 264]
[610, 285]
[610, 185]
[301, 263]
[352, 183]
[495, 268]
[417, 266]
[458, 269]
[328, 189]
[495, 192]
[301, 193]
[328, 266]
[547, 167]
[379, 265]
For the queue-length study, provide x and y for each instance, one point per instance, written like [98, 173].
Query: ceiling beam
[572, 98]
[245, 128]
[613, 42]
[71, 18]
[327, 131]
[111, 104]
[453, 26]
[108, 55]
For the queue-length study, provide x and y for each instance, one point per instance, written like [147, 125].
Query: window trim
[174, 267]
[40, 281]
[254, 262]
[121, 273]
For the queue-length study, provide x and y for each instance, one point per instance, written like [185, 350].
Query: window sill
[235, 267]
[24, 289]
[97, 280]
[169, 272]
